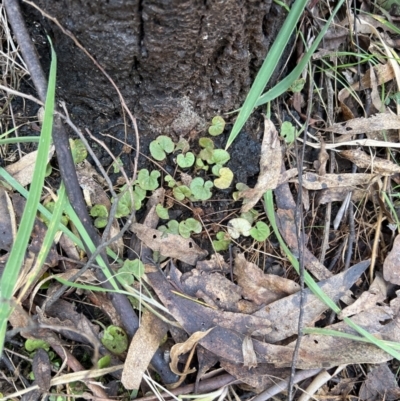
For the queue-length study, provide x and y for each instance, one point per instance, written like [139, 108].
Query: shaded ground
[253, 317]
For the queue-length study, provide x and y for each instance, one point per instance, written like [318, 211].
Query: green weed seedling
[243, 225]
[297, 85]
[131, 270]
[288, 132]
[115, 339]
[217, 126]
[100, 213]
[185, 160]
[260, 232]
[222, 241]
[181, 192]
[170, 181]
[208, 148]
[182, 145]
[78, 150]
[162, 212]
[240, 188]
[201, 190]
[117, 165]
[188, 226]
[251, 216]
[225, 178]
[172, 227]
[50, 206]
[239, 226]
[148, 181]
[160, 147]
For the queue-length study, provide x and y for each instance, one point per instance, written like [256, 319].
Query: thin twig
[301, 236]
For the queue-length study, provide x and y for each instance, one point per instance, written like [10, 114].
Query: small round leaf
[238, 227]
[217, 126]
[260, 232]
[160, 146]
[225, 179]
[201, 189]
[185, 161]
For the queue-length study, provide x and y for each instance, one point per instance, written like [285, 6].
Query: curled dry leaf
[270, 167]
[142, 349]
[183, 348]
[249, 356]
[375, 164]
[170, 245]
[259, 287]
[391, 266]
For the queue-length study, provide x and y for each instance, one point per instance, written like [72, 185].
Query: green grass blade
[17, 253]
[267, 68]
[312, 285]
[285, 84]
[21, 139]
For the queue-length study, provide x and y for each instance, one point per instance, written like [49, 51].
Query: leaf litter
[226, 309]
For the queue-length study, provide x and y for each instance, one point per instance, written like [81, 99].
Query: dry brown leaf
[340, 194]
[150, 220]
[226, 339]
[329, 351]
[377, 165]
[369, 299]
[41, 368]
[257, 379]
[315, 182]
[142, 349]
[215, 263]
[183, 348]
[383, 72]
[378, 122]
[259, 287]
[391, 265]
[375, 95]
[270, 167]
[198, 317]
[170, 245]
[287, 228]
[380, 384]
[284, 313]
[323, 157]
[22, 170]
[249, 356]
[216, 290]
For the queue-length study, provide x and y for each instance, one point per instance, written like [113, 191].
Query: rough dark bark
[176, 62]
